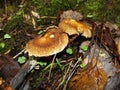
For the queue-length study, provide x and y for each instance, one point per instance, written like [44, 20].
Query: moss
[15, 20]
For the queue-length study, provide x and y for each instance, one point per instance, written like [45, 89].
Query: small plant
[6, 36]
[2, 45]
[22, 59]
[69, 51]
[59, 64]
[41, 31]
[80, 59]
[84, 48]
[42, 63]
[82, 65]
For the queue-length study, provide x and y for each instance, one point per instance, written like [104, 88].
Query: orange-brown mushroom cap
[52, 42]
[72, 27]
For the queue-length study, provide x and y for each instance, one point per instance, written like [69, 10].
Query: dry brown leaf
[92, 78]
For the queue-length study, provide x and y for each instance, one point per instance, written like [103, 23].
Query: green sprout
[2, 45]
[22, 59]
[80, 59]
[6, 36]
[82, 65]
[58, 63]
[41, 31]
[49, 65]
[69, 51]
[42, 63]
[84, 48]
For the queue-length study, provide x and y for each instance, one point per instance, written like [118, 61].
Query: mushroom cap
[52, 42]
[73, 27]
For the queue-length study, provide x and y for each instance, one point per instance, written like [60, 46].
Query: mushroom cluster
[56, 38]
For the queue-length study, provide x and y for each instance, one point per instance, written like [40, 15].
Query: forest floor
[84, 64]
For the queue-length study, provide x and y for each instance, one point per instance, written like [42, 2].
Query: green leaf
[19, 13]
[49, 65]
[58, 62]
[22, 59]
[40, 32]
[69, 51]
[84, 47]
[21, 6]
[2, 45]
[79, 59]
[7, 36]
[42, 63]
[82, 65]
[89, 16]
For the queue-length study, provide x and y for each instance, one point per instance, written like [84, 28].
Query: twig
[19, 54]
[51, 66]
[48, 17]
[64, 77]
[71, 74]
[5, 7]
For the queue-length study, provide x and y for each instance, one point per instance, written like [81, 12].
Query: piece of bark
[8, 67]
[19, 78]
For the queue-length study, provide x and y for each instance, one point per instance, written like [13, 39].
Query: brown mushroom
[52, 42]
[73, 27]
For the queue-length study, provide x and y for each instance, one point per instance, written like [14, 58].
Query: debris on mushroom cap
[71, 14]
[111, 26]
[72, 27]
[52, 42]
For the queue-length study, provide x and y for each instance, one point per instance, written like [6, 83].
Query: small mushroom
[52, 42]
[73, 27]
